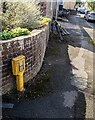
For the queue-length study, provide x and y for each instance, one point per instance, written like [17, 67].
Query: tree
[91, 4]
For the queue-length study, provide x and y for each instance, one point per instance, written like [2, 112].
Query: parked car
[81, 10]
[86, 12]
[90, 16]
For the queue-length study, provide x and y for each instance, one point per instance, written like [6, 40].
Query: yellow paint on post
[18, 68]
[20, 83]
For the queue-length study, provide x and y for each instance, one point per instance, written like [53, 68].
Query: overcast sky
[83, 0]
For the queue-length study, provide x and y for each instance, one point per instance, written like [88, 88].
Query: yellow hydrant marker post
[19, 82]
[18, 68]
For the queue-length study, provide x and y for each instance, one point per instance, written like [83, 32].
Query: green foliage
[20, 14]
[91, 4]
[14, 33]
[19, 32]
[44, 20]
[5, 35]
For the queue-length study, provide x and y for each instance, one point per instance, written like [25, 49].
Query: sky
[83, 0]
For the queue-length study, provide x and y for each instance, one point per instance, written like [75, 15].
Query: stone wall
[33, 47]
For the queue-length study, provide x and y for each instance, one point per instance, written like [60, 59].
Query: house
[68, 4]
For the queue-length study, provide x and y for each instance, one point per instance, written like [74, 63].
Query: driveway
[64, 86]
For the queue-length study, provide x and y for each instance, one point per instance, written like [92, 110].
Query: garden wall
[32, 47]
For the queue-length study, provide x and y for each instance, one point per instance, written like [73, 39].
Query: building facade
[68, 4]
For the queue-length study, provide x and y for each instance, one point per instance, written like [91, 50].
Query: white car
[86, 12]
[81, 10]
[90, 16]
